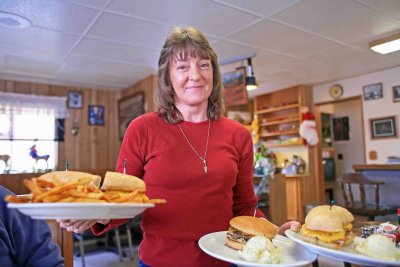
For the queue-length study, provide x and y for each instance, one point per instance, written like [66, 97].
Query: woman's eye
[205, 65]
[181, 67]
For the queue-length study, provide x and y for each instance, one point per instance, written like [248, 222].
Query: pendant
[205, 165]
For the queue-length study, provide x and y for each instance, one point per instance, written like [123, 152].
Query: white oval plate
[346, 254]
[77, 211]
[292, 255]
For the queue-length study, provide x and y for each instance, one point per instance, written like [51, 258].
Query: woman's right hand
[79, 226]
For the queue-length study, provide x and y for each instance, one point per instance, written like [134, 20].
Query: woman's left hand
[292, 225]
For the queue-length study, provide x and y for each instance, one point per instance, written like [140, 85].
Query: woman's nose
[194, 74]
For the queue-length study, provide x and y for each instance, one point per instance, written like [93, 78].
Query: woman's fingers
[81, 226]
[292, 225]
[76, 226]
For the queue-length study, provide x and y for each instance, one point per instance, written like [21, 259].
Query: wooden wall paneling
[10, 86]
[147, 85]
[22, 88]
[58, 90]
[113, 147]
[101, 144]
[3, 86]
[293, 198]
[277, 199]
[83, 142]
[42, 89]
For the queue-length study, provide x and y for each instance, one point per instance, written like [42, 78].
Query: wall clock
[336, 91]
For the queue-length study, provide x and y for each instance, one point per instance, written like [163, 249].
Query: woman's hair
[179, 44]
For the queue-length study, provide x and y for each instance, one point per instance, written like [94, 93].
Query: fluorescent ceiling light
[386, 45]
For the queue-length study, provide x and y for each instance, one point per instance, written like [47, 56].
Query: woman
[189, 154]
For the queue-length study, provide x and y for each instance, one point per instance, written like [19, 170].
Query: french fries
[82, 190]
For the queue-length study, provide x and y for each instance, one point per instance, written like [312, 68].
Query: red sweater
[197, 203]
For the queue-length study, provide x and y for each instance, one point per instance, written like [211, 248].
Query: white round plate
[292, 255]
[62, 211]
[346, 254]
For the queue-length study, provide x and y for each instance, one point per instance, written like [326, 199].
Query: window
[25, 126]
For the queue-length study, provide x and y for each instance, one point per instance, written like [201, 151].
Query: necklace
[203, 159]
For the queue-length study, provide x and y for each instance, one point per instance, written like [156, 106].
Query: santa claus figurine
[307, 128]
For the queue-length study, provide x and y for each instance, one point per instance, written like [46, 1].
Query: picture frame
[373, 91]
[235, 92]
[75, 99]
[341, 129]
[383, 127]
[129, 108]
[96, 115]
[396, 93]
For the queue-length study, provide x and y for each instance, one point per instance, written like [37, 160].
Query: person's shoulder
[4, 192]
[151, 118]
[233, 124]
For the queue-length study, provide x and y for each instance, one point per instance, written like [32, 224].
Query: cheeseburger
[242, 228]
[328, 226]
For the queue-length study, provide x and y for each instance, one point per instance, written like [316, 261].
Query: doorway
[341, 131]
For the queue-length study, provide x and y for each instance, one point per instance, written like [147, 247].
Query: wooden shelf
[269, 110]
[280, 121]
[283, 145]
[280, 133]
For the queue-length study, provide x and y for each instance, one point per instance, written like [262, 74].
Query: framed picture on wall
[235, 92]
[373, 91]
[128, 109]
[75, 99]
[396, 93]
[96, 115]
[383, 127]
[341, 129]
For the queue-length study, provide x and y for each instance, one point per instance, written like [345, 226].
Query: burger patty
[237, 235]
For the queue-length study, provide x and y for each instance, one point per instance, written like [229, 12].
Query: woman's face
[192, 80]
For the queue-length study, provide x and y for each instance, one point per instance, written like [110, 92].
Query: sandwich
[62, 177]
[243, 228]
[328, 226]
[115, 181]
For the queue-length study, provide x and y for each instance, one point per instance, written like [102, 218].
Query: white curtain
[55, 106]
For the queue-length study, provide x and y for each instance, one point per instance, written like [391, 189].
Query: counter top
[378, 167]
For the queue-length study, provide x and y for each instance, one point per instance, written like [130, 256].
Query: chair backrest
[349, 179]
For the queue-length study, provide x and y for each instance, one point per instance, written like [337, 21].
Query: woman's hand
[80, 226]
[292, 225]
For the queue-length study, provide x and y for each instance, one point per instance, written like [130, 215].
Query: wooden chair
[361, 206]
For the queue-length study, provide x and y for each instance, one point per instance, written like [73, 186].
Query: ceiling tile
[17, 64]
[343, 20]
[131, 31]
[98, 65]
[94, 78]
[38, 38]
[57, 15]
[99, 4]
[346, 60]
[44, 55]
[281, 38]
[390, 7]
[260, 7]
[210, 17]
[228, 51]
[117, 52]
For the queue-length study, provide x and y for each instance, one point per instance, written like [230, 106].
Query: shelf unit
[279, 115]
